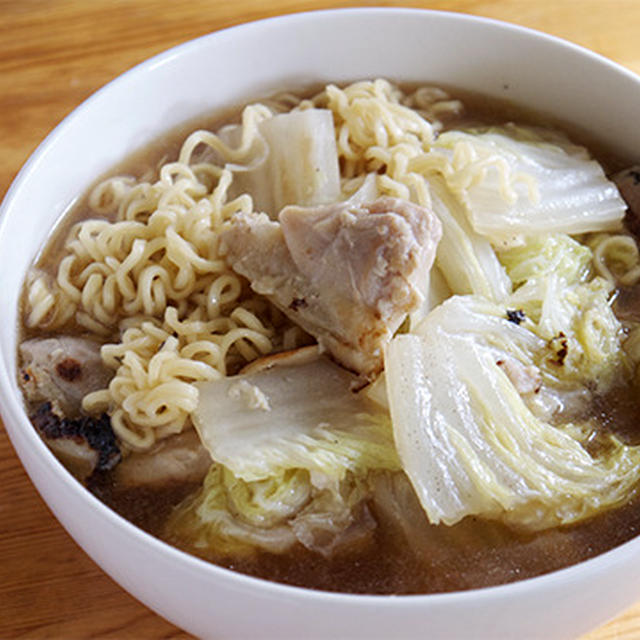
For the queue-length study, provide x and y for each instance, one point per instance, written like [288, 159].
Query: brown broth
[471, 554]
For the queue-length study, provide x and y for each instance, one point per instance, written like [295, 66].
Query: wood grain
[53, 55]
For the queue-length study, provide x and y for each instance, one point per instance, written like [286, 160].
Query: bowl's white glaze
[227, 68]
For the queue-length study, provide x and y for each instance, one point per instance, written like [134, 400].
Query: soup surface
[371, 339]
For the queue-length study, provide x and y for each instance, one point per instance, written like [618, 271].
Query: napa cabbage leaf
[466, 260]
[297, 165]
[545, 254]
[467, 437]
[516, 180]
[302, 416]
[231, 517]
[293, 447]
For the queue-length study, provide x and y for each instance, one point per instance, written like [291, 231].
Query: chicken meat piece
[83, 445]
[347, 274]
[628, 183]
[177, 459]
[62, 371]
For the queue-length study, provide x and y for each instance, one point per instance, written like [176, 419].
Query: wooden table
[53, 55]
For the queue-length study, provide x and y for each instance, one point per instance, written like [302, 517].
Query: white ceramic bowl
[226, 68]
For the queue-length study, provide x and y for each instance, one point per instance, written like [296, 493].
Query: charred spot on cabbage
[516, 315]
[560, 345]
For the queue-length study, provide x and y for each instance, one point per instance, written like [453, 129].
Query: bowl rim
[12, 410]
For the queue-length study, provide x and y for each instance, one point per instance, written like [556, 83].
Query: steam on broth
[373, 340]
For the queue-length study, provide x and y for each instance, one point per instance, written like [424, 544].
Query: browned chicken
[628, 183]
[346, 274]
[177, 459]
[57, 373]
[62, 371]
[83, 444]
